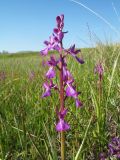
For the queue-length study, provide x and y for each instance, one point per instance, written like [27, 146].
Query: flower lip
[70, 91]
[47, 90]
[48, 87]
[62, 126]
[50, 73]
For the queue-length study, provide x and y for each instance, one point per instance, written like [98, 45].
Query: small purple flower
[67, 76]
[50, 73]
[102, 156]
[99, 69]
[60, 22]
[62, 125]
[50, 45]
[47, 90]
[59, 34]
[70, 91]
[53, 61]
[114, 147]
[74, 52]
[48, 87]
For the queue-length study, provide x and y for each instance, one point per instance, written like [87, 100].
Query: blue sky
[25, 24]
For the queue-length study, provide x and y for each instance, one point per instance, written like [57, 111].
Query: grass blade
[79, 151]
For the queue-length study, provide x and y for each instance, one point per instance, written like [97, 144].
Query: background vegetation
[27, 122]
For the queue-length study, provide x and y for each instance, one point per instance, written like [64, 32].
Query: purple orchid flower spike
[66, 81]
[62, 125]
[99, 69]
[66, 87]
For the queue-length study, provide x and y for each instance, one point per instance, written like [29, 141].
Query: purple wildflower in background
[102, 156]
[2, 75]
[99, 70]
[66, 87]
[62, 125]
[113, 150]
[114, 147]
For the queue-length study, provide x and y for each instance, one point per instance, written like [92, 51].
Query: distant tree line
[4, 52]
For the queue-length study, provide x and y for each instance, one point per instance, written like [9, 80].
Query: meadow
[27, 122]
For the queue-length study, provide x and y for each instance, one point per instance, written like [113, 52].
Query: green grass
[27, 122]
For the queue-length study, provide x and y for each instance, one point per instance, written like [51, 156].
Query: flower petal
[47, 90]
[50, 73]
[78, 103]
[62, 126]
[79, 60]
[46, 43]
[58, 19]
[62, 114]
[46, 94]
[70, 91]
[55, 30]
[53, 61]
[44, 52]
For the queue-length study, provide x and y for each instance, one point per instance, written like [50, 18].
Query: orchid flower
[66, 86]
[62, 125]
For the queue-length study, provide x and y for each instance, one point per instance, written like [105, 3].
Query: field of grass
[27, 122]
